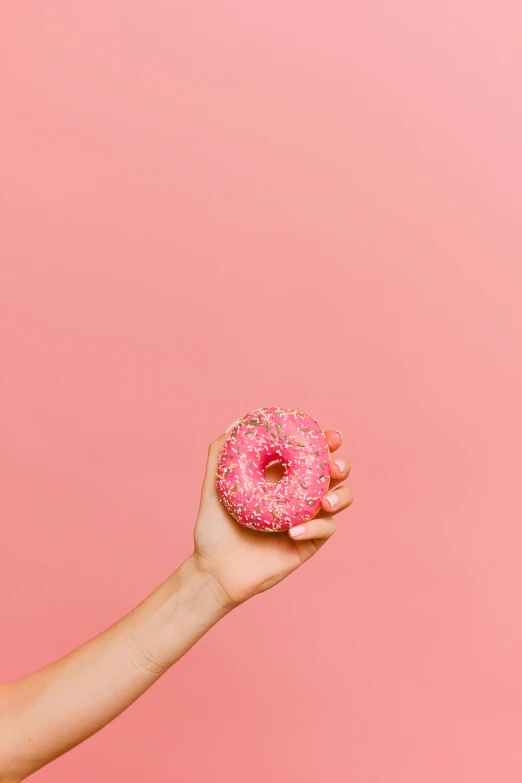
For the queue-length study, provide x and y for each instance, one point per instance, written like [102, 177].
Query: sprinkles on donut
[261, 437]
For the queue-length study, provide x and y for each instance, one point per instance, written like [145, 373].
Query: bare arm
[54, 709]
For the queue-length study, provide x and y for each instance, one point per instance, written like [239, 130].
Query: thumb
[214, 450]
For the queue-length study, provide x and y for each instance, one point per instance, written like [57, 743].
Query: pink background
[206, 207]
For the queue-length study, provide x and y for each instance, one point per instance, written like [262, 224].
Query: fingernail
[339, 433]
[231, 426]
[332, 499]
[297, 531]
[340, 464]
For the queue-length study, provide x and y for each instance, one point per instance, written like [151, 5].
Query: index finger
[334, 438]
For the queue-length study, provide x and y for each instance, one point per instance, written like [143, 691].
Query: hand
[244, 562]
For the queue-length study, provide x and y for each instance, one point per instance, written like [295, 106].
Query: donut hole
[274, 471]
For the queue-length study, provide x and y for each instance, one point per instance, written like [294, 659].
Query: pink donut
[289, 437]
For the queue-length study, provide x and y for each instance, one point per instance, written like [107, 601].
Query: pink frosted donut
[286, 436]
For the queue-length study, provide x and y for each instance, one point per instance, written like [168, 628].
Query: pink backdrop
[206, 207]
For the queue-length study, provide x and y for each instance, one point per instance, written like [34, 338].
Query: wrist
[161, 629]
[208, 586]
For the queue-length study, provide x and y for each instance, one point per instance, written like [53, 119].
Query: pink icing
[265, 435]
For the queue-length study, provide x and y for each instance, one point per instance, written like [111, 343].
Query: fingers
[339, 470]
[334, 438]
[337, 500]
[318, 529]
[322, 527]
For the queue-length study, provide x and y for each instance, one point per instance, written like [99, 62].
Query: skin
[49, 712]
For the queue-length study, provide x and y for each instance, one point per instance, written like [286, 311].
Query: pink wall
[208, 207]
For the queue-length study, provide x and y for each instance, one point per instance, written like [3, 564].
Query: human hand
[244, 562]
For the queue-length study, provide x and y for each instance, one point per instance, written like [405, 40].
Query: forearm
[54, 709]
